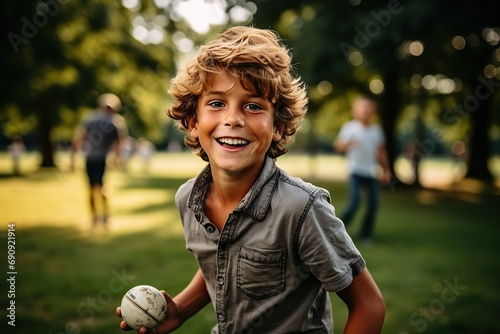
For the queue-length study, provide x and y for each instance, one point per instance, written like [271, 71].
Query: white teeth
[231, 141]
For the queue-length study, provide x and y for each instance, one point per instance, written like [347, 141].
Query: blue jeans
[356, 183]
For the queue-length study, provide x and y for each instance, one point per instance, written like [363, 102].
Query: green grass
[70, 279]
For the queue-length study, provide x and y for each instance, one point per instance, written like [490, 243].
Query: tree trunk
[46, 147]
[388, 114]
[419, 149]
[479, 148]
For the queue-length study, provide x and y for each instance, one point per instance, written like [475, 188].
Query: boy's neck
[225, 193]
[231, 188]
[365, 123]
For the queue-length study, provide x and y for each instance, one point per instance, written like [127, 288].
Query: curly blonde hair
[261, 62]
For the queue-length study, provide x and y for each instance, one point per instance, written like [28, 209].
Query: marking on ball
[140, 308]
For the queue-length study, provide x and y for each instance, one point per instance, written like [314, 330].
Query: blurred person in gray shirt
[96, 137]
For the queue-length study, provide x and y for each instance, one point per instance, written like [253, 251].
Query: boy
[96, 136]
[363, 142]
[268, 246]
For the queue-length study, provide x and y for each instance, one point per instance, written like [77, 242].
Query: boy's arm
[340, 143]
[345, 141]
[340, 146]
[365, 303]
[343, 145]
[183, 306]
[193, 298]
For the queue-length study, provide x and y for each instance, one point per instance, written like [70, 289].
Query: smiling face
[235, 127]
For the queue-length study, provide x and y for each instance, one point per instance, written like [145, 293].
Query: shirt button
[220, 281]
[210, 228]
[220, 317]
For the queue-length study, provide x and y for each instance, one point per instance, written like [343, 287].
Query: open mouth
[233, 142]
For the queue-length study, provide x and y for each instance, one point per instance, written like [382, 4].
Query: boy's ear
[278, 132]
[193, 127]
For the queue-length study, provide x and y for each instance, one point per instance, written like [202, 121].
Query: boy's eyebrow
[221, 92]
[214, 92]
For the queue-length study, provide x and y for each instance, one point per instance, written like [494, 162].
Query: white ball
[143, 305]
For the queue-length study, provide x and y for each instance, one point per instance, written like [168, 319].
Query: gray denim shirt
[279, 253]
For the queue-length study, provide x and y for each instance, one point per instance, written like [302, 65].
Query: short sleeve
[380, 135]
[326, 248]
[345, 132]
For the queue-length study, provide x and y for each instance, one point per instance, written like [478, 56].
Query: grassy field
[434, 256]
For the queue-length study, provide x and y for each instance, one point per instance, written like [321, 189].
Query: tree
[351, 43]
[59, 56]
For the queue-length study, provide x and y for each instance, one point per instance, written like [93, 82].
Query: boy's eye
[216, 104]
[253, 106]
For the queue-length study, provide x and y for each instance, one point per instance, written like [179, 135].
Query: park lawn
[434, 256]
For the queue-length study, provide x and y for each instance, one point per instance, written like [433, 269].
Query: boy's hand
[343, 147]
[171, 322]
[386, 178]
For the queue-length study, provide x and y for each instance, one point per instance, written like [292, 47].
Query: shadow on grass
[71, 281]
[39, 173]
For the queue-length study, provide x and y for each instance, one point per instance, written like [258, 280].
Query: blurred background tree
[426, 60]
[433, 65]
[61, 55]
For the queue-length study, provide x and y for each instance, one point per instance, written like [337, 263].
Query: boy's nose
[233, 117]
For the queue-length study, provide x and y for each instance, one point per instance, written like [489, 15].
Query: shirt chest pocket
[261, 272]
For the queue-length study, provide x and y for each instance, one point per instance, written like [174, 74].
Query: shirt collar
[257, 200]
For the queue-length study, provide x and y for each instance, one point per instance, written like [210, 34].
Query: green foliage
[63, 54]
[349, 44]
[60, 55]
